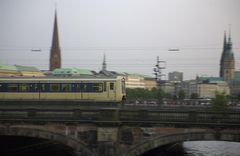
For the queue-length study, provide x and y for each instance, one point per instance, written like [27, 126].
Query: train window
[35, 87]
[111, 86]
[97, 87]
[105, 87]
[43, 87]
[24, 87]
[12, 87]
[1, 88]
[78, 88]
[66, 88]
[123, 86]
[84, 87]
[89, 87]
[54, 87]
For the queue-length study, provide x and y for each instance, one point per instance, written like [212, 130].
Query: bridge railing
[118, 116]
[180, 116]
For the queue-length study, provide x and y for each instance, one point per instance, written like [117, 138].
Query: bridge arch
[181, 137]
[78, 147]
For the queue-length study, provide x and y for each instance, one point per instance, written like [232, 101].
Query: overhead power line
[128, 48]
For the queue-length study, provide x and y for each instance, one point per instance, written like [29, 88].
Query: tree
[140, 93]
[144, 94]
[194, 96]
[181, 94]
[168, 96]
[238, 97]
[219, 103]
[160, 96]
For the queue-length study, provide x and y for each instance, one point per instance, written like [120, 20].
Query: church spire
[227, 63]
[104, 64]
[230, 39]
[55, 55]
[223, 54]
[224, 41]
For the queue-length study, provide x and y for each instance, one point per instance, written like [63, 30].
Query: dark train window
[35, 87]
[66, 88]
[84, 87]
[54, 87]
[111, 86]
[123, 86]
[1, 88]
[43, 87]
[105, 86]
[24, 87]
[78, 88]
[97, 87]
[12, 87]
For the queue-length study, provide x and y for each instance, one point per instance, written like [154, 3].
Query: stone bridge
[119, 132]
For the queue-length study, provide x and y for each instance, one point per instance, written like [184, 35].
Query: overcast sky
[132, 33]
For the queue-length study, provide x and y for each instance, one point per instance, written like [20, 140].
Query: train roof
[52, 78]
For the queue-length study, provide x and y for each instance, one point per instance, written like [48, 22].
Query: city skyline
[131, 40]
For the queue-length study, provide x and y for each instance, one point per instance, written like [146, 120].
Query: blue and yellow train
[63, 89]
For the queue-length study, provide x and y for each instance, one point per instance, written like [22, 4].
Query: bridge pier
[107, 149]
[107, 141]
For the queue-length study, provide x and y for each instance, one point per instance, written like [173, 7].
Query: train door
[105, 91]
[43, 88]
[79, 91]
[112, 91]
[84, 90]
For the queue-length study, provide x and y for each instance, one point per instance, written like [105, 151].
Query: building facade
[150, 83]
[205, 87]
[175, 76]
[209, 90]
[235, 85]
[134, 81]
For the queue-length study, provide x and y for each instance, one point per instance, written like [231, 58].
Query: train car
[63, 89]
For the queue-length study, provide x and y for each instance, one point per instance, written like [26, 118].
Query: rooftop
[27, 68]
[210, 79]
[72, 71]
[7, 67]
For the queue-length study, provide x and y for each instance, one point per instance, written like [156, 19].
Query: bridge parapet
[115, 131]
[115, 116]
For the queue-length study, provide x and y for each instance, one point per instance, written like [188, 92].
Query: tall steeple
[230, 39]
[55, 55]
[227, 63]
[104, 64]
[224, 41]
[223, 54]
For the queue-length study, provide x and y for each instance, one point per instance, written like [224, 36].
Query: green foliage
[140, 93]
[238, 97]
[219, 103]
[181, 94]
[194, 96]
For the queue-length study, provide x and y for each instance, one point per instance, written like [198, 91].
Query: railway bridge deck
[111, 131]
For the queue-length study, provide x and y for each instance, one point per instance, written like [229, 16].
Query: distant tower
[223, 54]
[227, 63]
[104, 64]
[55, 55]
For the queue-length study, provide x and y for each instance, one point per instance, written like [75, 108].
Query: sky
[132, 33]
